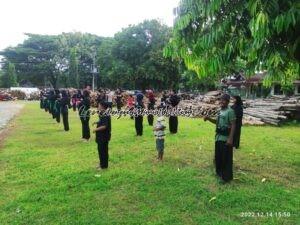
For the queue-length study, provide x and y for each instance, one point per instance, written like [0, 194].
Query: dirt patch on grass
[9, 127]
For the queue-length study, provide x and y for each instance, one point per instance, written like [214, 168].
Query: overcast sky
[101, 17]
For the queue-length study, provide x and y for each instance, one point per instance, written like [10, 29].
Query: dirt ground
[8, 110]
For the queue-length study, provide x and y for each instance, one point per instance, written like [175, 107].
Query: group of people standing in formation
[228, 122]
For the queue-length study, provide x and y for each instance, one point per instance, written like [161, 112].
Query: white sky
[101, 17]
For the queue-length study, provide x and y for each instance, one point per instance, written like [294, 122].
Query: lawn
[48, 176]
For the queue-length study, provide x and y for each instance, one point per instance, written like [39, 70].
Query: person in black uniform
[64, 106]
[139, 105]
[163, 100]
[73, 100]
[51, 100]
[41, 99]
[84, 113]
[173, 101]
[151, 105]
[57, 106]
[103, 134]
[238, 110]
[119, 99]
[52, 103]
[46, 101]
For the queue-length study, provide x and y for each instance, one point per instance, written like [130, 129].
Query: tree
[190, 81]
[44, 59]
[37, 59]
[137, 52]
[133, 58]
[1, 77]
[9, 78]
[219, 37]
[73, 69]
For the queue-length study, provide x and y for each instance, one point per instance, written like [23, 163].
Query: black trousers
[150, 120]
[52, 109]
[103, 153]
[119, 106]
[41, 104]
[223, 160]
[150, 117]
[58, 115]
[86, 134]
[110, 105]
[46, 106]
[173, 124]
[74, 107]
[237, 136]
[65, 120]
[139, 125]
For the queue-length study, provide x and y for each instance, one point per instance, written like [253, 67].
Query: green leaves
[259, 27]
[260, 34]
[183, 22]
[9, 77]
[133, 59]
[253, 6]
[286, 20]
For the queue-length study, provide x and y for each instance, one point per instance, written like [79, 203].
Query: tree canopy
[219, 37]
[9, 77]
[132, 59]
[48, 59]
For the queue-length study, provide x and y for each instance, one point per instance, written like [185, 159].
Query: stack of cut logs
[272, 110]
[6, 96]
[203, 105]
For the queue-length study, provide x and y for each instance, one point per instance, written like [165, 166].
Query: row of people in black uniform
[228, 128]
[56, 104]
[168, 100]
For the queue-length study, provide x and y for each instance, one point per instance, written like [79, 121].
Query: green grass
[47, 176]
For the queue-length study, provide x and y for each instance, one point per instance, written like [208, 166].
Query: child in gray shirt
[160, 136]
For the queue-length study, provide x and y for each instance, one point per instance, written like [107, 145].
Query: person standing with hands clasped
[64, 108]
[103, 134]
[84, 114]
[139, 106]
[238, 110]
[225, 128]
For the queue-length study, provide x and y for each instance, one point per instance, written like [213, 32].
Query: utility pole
[94, 71]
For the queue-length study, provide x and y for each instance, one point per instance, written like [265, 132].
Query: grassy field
[48, 176]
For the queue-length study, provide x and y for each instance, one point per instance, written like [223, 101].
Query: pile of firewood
[6, 96]
[20, 95]
[33, 96]
[203, 105]
[272, 110]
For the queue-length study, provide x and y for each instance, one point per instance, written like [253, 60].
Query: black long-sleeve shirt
[239, 112]
[104, 135]
[64, 104]
[84, 107]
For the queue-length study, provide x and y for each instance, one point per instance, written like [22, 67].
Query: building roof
[297, 82]
[257, 78]
[238, 81]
